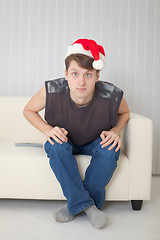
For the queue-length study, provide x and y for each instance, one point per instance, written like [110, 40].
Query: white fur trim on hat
[77, 48]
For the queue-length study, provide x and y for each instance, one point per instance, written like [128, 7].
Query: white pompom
[98, 65]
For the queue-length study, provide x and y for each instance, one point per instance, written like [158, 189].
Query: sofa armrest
[137, 140]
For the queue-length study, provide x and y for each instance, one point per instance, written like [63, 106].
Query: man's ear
[66, 74]
[98, 73]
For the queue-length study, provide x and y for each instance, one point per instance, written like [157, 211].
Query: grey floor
[33, 220]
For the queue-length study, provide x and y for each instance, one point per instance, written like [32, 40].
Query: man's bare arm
[123, 117]
[35, 105]
[112, 136]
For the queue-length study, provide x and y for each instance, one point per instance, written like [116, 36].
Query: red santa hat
[90, 48]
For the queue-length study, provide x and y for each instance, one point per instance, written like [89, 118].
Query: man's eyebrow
[74, 69]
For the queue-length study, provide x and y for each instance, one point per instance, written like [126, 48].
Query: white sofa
[25, 172]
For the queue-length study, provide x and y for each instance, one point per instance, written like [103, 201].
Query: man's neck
[82, 105]
[81, 102]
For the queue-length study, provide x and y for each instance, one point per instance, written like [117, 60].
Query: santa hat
[90, 48]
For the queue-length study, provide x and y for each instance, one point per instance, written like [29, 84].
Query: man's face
[81, 83]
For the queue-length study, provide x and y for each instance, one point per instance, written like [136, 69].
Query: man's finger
[59, 133]
[119, 145]
[113, 145]
[102, 135]
[107, 142]
[50, 141]
[111, 135]
[108, 136]
[57, 139]
[115, 141]
[64, 131]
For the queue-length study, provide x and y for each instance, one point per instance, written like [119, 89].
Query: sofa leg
[136, 204]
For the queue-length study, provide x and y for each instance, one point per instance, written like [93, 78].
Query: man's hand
[58, 134]
[109, 137]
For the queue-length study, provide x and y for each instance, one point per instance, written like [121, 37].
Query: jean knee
[49, 148]
[108, 158]
[112, 154]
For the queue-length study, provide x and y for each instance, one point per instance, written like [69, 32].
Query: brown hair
[82, 60]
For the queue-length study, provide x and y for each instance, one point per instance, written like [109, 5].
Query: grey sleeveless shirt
[84, 124]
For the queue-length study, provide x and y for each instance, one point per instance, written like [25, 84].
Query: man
[83, 116]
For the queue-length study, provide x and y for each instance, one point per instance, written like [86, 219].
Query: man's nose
[82, 80]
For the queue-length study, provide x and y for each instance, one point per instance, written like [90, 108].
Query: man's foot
[62, 215]
[97, 218]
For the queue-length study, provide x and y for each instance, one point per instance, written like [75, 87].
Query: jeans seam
[81, 208]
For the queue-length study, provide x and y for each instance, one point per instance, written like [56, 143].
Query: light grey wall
[34, 35]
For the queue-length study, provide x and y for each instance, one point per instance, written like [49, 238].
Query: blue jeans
[82, 194]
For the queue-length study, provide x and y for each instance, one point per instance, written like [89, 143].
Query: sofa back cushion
[13, 125]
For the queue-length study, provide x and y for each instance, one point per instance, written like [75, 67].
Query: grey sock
[97, 218]
[62, 214]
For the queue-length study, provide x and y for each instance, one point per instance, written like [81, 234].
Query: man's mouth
[81, 89]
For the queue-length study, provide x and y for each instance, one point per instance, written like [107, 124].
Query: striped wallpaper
[34, 35]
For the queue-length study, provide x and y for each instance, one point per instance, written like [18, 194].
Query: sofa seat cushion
[26, 174]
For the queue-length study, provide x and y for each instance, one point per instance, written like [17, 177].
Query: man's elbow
[126, 115]
[25, 111]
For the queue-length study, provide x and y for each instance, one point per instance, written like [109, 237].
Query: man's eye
[75, 74]
[88, 74]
